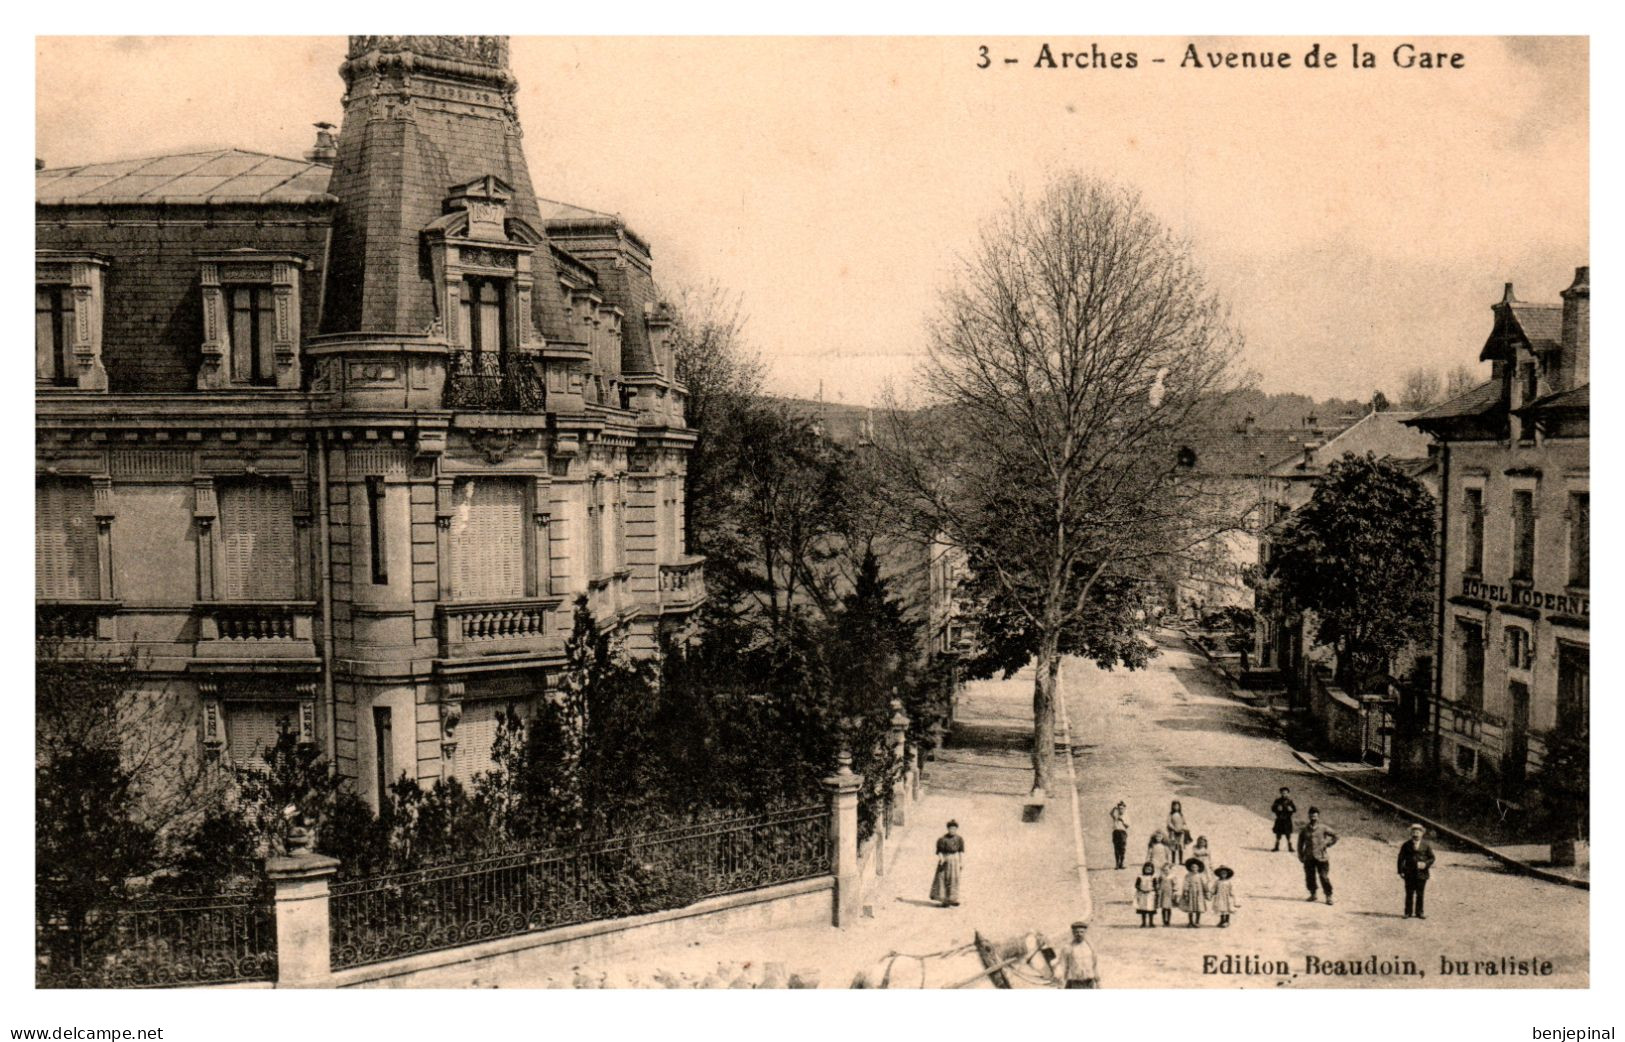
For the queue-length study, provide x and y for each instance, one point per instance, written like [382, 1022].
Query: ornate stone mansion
[339, 441]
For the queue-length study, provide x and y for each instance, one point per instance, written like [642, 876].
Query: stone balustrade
[682, 583]
[494, 627]
[274, 629]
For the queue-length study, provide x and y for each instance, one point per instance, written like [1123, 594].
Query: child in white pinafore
[1145, 894]
[1169, 885]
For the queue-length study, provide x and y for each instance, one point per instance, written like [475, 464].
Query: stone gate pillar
[901, 784]
[843, 839]
[303, 930]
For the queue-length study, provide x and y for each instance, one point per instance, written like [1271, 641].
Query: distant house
[1232, 464]
[1514, 641]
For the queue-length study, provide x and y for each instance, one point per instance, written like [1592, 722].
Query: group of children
[1170, 881]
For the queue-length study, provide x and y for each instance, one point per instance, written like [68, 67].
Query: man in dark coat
[1415, 860]
[1314, 850]
[1283, 808]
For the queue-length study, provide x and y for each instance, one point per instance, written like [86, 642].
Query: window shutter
[489, 539]
[65, 540]
[265, 334]
[44, 336]
[475, 736]
[257, 543]
[253, 727]
[242, 335]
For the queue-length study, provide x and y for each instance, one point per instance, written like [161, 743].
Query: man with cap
[1415, 860]
[1079, 969]
[1314, 850]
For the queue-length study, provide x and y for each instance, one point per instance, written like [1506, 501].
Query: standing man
[1314, 850]
[1415, 860]
[1080, 970]
[1283, 808]
[1120, 831]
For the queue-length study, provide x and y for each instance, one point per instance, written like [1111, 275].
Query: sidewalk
[1018, 877]
[1505, 845]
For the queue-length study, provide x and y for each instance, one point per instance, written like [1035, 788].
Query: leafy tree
[780, 519]
[1070, 357]
[1563, 789]
[1109, 636]
[1360, 556]
[1379, 402]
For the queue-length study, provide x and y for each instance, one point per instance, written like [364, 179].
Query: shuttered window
[488, 539]
[475, 737]
[253, 727]
[256, 541]
[65, 540]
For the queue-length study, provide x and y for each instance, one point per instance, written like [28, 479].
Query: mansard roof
[225, 176]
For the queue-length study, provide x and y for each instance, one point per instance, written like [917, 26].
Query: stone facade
[339, 442]
[1514, 608]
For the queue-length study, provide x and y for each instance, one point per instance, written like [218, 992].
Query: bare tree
[1072, 355]
[1419, 389]
[723, 379]
[1461, 379]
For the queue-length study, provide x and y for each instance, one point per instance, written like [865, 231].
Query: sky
[1358, 221]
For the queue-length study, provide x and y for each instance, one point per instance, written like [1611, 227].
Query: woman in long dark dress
[950, 851]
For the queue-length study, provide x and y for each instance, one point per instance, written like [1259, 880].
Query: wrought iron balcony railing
[490, 382]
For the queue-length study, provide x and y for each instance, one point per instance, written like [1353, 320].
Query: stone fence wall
[306, 923]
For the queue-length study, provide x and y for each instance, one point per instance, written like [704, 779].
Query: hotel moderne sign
[1527, 597]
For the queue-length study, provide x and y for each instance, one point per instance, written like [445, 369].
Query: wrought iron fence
[161, 942]
[492, 382]
[389, 916]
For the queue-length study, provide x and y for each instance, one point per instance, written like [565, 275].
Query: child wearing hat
[1197, 892]
[1145, 894]
[1169, 886]
[1225, 901]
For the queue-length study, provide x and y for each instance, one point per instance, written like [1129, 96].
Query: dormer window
[53, 336]
[481, 263]
[250, 320]
[253, 331]
[68, 321]
[484, 318]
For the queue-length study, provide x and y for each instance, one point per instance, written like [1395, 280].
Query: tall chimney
[326, 149]
[1577, 329]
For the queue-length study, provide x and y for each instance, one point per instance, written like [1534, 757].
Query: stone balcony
[255, 629]
[682, 585]
[76, 620]
[495, 627]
